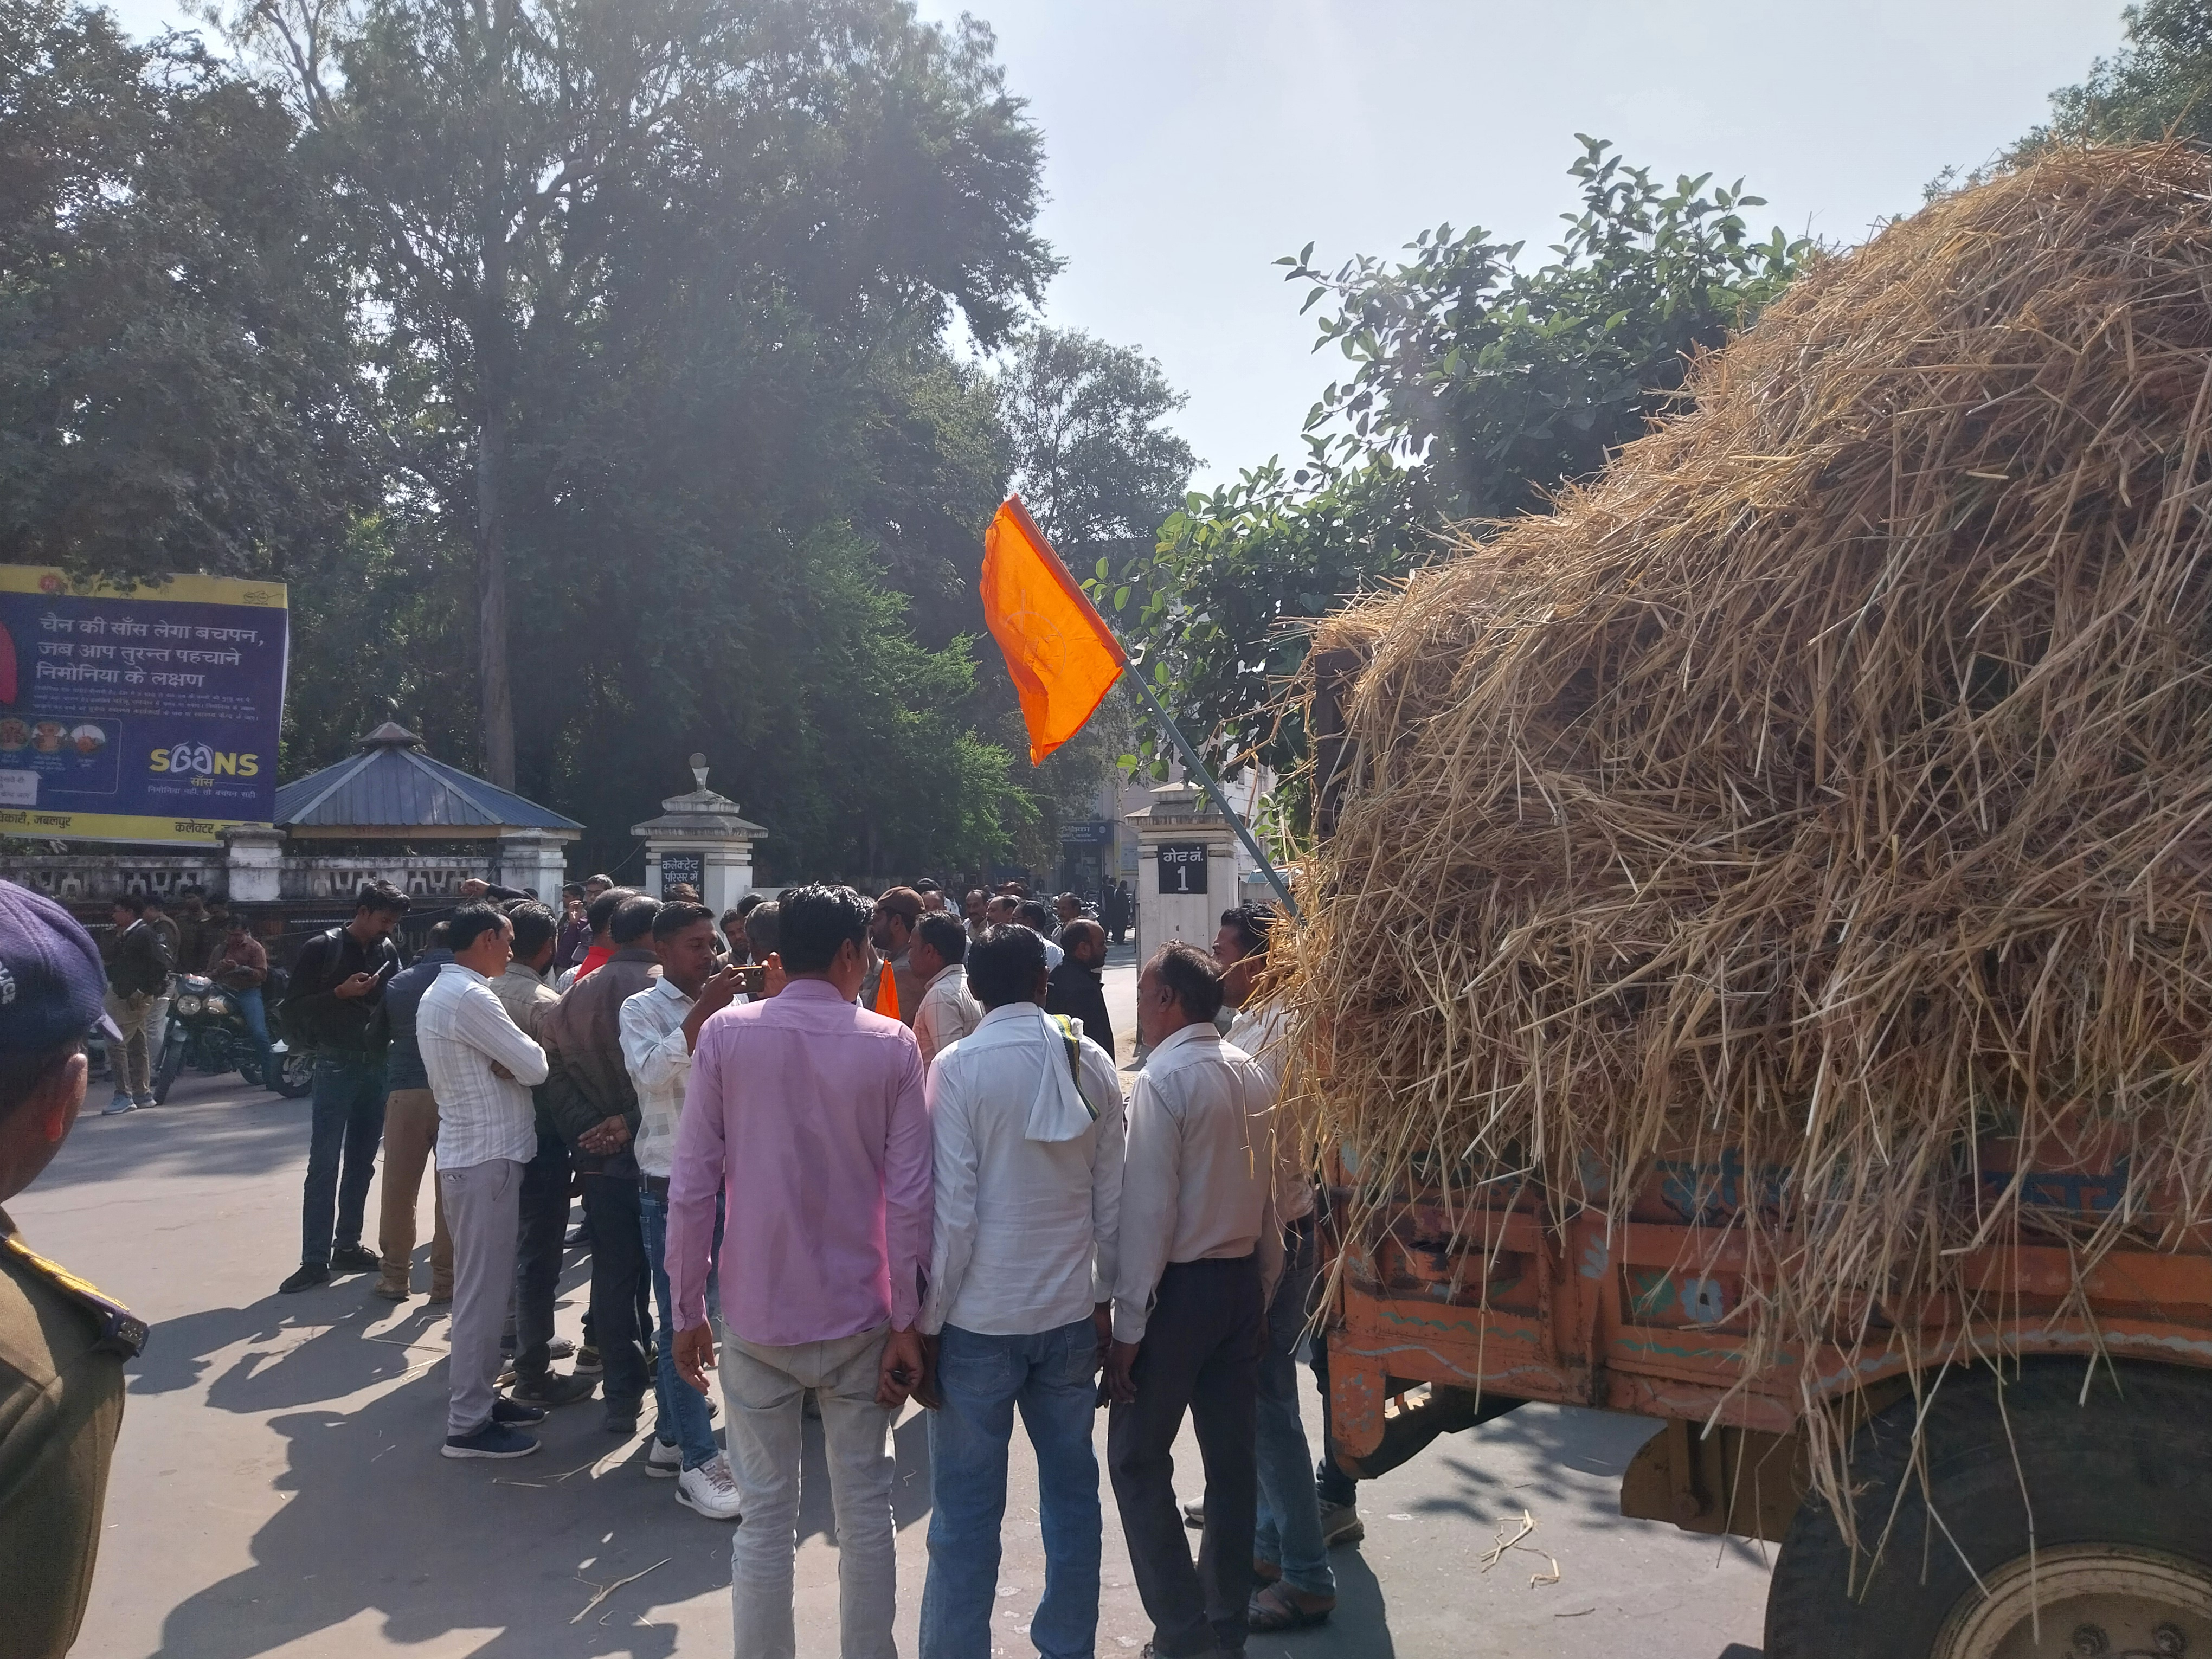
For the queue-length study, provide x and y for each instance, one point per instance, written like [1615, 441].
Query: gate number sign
[1183, 866]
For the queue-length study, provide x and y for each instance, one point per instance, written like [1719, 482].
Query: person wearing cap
[63, 1344]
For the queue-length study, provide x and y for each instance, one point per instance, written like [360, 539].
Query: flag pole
[1134, 674]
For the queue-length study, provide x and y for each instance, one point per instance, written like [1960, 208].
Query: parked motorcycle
[207, 1032]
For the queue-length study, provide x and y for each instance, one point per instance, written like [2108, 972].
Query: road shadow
[378, 1522]
[210, 1128]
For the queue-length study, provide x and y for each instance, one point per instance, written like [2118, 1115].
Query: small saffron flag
[1063, 656]
[887, 994]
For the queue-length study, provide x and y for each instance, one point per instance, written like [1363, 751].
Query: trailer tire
[2120, 1558]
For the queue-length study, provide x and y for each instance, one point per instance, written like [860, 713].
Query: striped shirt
[464, 1030]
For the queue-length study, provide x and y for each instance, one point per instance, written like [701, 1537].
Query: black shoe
[514, 1411]
[550, 1390]
[576, 1240]
[355, 1259]
[309, 1275]
[495, 1439]
[619, 1421]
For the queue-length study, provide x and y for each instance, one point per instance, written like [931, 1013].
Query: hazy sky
[1192, 142]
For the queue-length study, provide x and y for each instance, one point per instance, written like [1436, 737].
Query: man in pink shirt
[810, 1110]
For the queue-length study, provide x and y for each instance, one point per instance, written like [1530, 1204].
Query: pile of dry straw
[1832, 779]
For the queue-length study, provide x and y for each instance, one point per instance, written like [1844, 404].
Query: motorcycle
[207, 1032]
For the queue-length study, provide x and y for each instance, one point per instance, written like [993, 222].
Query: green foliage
[177, 389]
[2160, 83]
[1475, 388]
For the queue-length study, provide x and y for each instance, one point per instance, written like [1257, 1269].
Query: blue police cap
[52, 982]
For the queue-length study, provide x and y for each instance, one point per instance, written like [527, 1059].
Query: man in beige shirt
[1199, 1251]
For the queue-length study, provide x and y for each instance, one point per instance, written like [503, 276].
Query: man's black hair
[1251, 923]
[471, 923]
[1081, 927]
[675, 917]
[572, 889]
[926, 885]
[1004, 966]
[745, 906]
[945, 934]
[601, 910]
[1036, 912]
[633, 919]
[240, 919]
[154, 901]
[441, 935]
[815, 921]
[765, 929]
[381, 898]
[1192, 977]
[189, 890]
[25, 1077]
[588, 880]
[134, 903]
[534, 927]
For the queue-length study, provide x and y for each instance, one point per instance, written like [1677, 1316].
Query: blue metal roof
[390, 785]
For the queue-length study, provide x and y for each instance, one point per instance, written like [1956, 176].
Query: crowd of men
[887, 1141]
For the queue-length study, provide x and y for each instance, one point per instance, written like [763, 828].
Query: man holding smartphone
[333, 1007]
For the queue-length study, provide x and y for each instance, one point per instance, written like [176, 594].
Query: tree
[2160, 83]
[177, 389]
[1476, 388]
[505, 157]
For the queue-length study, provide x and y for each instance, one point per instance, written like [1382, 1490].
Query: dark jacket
[1080, 991]
[588, 1084]
[138, 961]
[316, 1017]
[403, 1060]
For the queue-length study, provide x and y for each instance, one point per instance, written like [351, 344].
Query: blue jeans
[1289, 1531]
[256, 1015]
[683, 1420]
[347, 1125]
[1053, 1377]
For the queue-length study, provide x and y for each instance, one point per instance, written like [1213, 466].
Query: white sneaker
[665, 1461]
[710, 1489]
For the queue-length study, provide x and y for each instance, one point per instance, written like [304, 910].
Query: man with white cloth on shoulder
[481, 1069]
[1027, 1125]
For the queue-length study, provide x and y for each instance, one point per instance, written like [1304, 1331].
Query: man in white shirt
[481, 1069]
[1199, 1252]
[1026, 1123]
[1290, 1536]
[939, 954]
[660, 1028]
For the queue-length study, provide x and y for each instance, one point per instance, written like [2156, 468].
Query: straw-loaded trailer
[2032, 1525]
[1755, 961]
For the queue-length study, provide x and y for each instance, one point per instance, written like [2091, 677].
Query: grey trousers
[483, 1206]
[764, 1389]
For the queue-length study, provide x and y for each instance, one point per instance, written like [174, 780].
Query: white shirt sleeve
[1103, 1085]
[657, 1063]
[955, 1162]
[481, 1021]
[1152, 1178]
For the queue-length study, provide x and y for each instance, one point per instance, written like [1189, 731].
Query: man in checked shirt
[481, 1069]
[660, 1029]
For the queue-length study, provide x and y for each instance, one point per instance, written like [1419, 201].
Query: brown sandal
[1277, 1608]
[1265, 1572]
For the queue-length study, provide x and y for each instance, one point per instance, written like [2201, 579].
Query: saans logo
[196, 761]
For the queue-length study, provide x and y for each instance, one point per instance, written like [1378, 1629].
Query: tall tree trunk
[496, 696]
[494, 386]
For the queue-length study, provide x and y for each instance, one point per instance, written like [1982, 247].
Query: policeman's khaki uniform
[62, 1347]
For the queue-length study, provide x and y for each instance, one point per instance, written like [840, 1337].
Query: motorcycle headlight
[218, 1005]
[188, 1004]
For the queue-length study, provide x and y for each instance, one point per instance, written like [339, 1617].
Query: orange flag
[1061, 654]
[887, 994]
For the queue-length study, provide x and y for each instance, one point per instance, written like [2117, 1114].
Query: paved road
[278, 1490]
